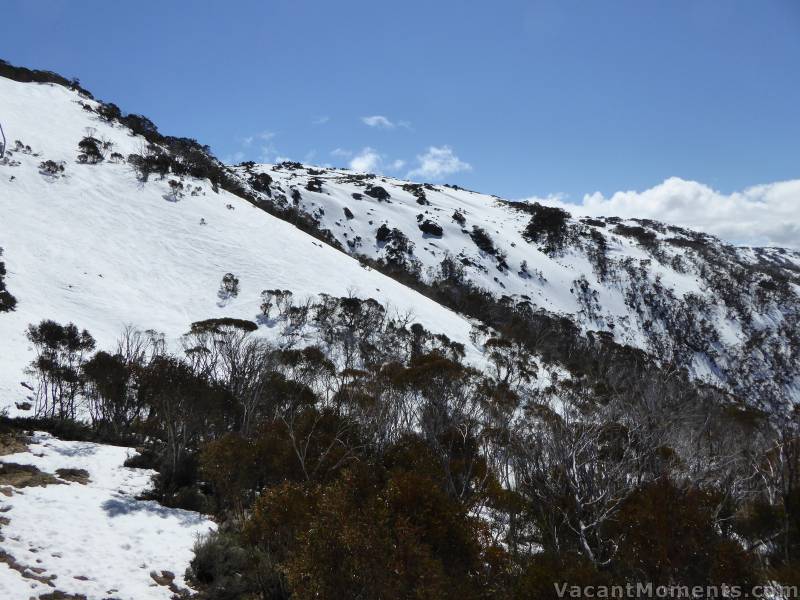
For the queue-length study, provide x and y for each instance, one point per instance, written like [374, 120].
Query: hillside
[729, 315]
[97, 246]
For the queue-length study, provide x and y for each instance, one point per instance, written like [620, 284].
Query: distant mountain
[729, 315]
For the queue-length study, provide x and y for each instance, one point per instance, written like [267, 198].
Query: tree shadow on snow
[75, 450]
[119, 506]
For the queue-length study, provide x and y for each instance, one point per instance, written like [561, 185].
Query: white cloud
[321, 120]
[761, 215]
[438, 162]
[341, 152]
[369, 160]
[366, 161]
[381, 122]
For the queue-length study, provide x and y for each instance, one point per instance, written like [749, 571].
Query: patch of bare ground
[75, 475]
[167, 579]
[34, 573]
[19, 476]
[12, 443]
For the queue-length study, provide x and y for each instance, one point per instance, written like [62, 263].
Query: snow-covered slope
[97, 247]
[729, 315]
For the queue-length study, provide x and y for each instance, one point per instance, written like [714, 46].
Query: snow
[97, 539]
[551, 283]
[99, 248]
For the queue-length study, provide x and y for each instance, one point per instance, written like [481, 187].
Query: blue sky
[508, 97]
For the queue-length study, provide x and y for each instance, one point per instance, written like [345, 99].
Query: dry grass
[19, 476]
[12, 443]
[75, 475]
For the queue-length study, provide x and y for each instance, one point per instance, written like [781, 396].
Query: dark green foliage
[383, 233]
[51, 168]
[216, 325]
[140, 125]
[377, 192]
[431, 228]
[418, 191]
[218, 565]
[33, 75]
[61, 351]
[261, 182]
[482, 240]
[90, 151]
[314, 185]
[229, 287]
[644, 236]
[397, 247]
[548, 226]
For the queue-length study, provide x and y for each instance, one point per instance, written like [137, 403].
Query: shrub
[644, 236]
[229, 288]
[90, 151]
[548, 225]
[175, 190]
[396, 245]
[51, 168]
[218, 565]
[482, 240]
[314, 185]
[429, 227]
[140, 125]
[261, 182]
[418, 191]
[33, 75]
[7, 301]
[383, 233]
[377, 192]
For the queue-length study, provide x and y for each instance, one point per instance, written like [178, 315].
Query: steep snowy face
[95, 245]
[730, 315]
[89, 237]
